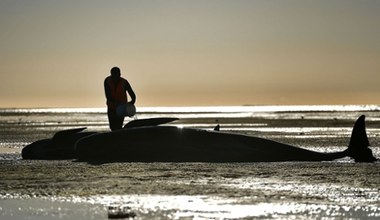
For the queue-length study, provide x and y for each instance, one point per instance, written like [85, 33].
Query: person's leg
[119, 122]
[115, 121]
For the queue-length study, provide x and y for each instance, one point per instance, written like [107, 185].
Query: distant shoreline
[201, 109]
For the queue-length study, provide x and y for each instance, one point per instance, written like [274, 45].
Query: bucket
[127, 109]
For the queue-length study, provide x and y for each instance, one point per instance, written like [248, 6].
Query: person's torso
[118, 91]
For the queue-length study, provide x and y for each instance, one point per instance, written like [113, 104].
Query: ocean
[67, 189]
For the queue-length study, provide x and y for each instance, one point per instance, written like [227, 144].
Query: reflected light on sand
[206, 207]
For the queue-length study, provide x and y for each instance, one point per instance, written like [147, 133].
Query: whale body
[174, 144]
[145, 141]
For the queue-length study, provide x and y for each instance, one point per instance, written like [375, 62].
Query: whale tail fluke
[358, 147]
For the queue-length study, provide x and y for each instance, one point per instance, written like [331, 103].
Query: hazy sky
[57, 53]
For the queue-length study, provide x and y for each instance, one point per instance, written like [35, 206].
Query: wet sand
[286, 189]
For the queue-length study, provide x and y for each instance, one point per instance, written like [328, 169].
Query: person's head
[115, 72]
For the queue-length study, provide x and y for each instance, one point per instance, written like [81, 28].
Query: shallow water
[287, 190]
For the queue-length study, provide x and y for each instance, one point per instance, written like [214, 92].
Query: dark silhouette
[116, 89]
[143, 141]
[174, 144]
[62, 145]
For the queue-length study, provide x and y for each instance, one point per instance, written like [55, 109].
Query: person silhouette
[116, 89]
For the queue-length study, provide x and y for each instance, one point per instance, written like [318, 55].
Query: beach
[68, 189]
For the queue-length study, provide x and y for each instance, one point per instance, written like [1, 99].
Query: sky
[190, 53]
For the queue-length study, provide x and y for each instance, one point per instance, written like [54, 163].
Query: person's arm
[107, 91]
[131, 93]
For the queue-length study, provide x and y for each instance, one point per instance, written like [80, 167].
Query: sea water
[68, 189]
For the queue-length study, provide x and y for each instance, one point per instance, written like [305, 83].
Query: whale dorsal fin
[217, 128]
[65, 133]
[149, 122]
[359, 134]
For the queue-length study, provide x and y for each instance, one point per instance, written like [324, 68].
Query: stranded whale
[146, 143]
[62, 144]
[173, 144]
